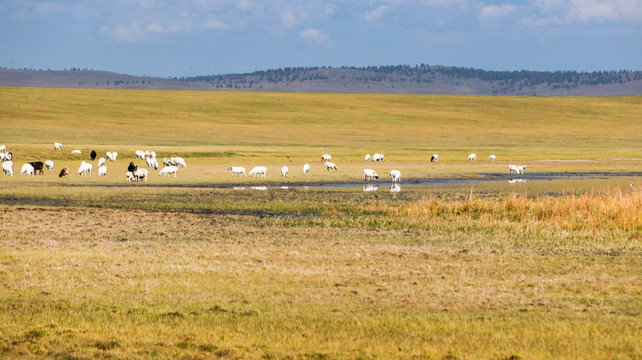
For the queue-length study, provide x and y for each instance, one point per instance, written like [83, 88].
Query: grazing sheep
[178, 161]
[514, 169]
[57, 146]
[326, 157]
[147, 154]
[284, 171]
[367, 158]
[102, 161]
[112, 156]
[64, 172]
[131, 167]
[258, 170]
[8, 156]
[472, 157]
[130, 176]
[49, 164]
[434, 158]
[152, 154]
[329, 165]
[85, 169]
[38, 166]
[377, 157]
[92, 155]
[492, 158]
[3, 147]
[395, 175]
[167, 162]
[2, 156]
[369, 174]
[141, 174]
[237, 170]
[27, 169]
[7, 168]
[76, 151]
[140, 154]
[167, 170]
[306, 168]
[102, 170]
[151, 162]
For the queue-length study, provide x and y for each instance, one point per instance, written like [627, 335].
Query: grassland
[98, 268]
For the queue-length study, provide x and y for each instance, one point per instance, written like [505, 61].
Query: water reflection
[395, 187]
[261, 188]
[370, 187]
[513, 181]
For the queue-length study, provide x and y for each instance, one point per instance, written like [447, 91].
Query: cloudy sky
[199, 37]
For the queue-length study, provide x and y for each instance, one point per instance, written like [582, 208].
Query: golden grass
[466, 278]
[94, 268]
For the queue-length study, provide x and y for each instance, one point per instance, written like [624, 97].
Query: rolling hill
[402, 79]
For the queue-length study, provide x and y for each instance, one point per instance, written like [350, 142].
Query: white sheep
[258, 170]
[329, 165]
[2, 156]
[395, 175]
[49, 164]
[368, 157]
[472, 157]
[3, 147]
[147, 154]
[434, 158]
[369, 174]
[306, 168]
[167, 162]
[141, 174]
[112, 156]
[326, 157]
[167, 170]
[514, 169]
[102, 170]
[102, 161]
[140, 154]
[8, 156]
[152, 154]
[284, 171]
[377, 157]
[57, 146]
[492, 158]
[27, 169]
[237, 170]
[130, 176]
[76, 151]
[7, 168]
[178, 161]
[85, 169]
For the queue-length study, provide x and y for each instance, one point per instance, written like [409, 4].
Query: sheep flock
[175, 164]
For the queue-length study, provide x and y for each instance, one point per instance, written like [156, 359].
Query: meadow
[191, 268]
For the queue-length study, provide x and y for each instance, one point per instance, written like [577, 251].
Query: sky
[207, 37]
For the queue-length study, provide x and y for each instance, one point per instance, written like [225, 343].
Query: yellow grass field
[190, 268]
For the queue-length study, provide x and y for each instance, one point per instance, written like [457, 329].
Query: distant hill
[403, 79]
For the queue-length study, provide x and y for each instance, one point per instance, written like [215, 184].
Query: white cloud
[215, 24]
[316, 37]
[377, 13]
[493, 12]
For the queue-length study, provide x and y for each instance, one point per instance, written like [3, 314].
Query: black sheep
[93, 155]
[132, 167]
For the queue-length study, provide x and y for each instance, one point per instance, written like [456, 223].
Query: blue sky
[198, 37]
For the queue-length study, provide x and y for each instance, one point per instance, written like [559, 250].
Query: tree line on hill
[423, 73]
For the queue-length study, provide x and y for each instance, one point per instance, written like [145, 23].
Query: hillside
[402, 79]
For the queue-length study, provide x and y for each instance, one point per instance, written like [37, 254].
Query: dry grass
[434, 278]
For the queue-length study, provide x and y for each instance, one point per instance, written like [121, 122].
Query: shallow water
[551, 183]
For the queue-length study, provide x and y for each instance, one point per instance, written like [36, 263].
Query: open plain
[202, 265]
